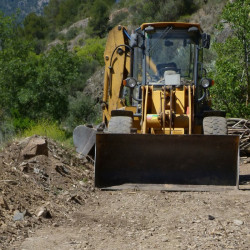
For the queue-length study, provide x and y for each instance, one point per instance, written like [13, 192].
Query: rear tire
[215, 125]
[120, 124]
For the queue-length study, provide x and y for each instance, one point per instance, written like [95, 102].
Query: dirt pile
[40, 183]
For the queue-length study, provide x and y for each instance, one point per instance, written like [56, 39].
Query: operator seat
[162, 67]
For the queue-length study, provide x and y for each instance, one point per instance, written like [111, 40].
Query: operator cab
[167, 54]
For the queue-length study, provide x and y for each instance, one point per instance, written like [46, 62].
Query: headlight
[130, 82]
[206, 82]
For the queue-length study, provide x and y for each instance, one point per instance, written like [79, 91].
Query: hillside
[64, 48]
[25, 6]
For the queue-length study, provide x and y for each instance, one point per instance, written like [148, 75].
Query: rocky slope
[25, 6]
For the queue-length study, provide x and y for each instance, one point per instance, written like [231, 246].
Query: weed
[51, 130]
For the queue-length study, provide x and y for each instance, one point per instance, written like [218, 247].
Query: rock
[76, 198]
[36, 170]
[3, 203]
[61, 169]
[23, 143]
[238, 222]
[18, 216]
[43, 212]
[210, 217]
[4, 227]
[36, 146]
[81, 183]
[24, 167]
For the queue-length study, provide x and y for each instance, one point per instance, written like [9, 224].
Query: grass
[51, 130]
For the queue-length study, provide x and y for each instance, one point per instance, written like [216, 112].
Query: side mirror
[205, 41]
[133, 40]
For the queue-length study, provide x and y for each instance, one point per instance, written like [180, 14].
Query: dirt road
[84, 218]
[151, 220]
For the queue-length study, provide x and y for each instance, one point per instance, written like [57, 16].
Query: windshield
[169, 50]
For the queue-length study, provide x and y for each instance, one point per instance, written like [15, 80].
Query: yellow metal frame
[160, 116]
[168, 110]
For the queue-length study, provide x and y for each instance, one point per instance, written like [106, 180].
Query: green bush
[92, 50]
[232, 88]
[35, 26]
[7, 129]
[82, 109]
[99, 17]
[160, 10]
[86, 69]
[61, 36]
[71, 34]
[119, 19]
[52, 35]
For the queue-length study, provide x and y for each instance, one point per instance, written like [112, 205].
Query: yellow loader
[159, 130]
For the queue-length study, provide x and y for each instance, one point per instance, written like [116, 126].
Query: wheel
[215, 125]
[120, 124]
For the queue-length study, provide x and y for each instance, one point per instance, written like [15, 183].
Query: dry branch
[241, 127]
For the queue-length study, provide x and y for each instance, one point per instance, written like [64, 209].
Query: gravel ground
[152, 220]
[81, 217]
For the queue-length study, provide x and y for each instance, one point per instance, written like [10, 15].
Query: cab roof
[174, 24]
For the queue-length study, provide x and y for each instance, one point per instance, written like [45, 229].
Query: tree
[82, 109]
[33, 86]
[68, 10]
[48, 94]
[52, 10]
[232, 89]
[93, 49]
[160, 10]
[35, 26]
[99, 16]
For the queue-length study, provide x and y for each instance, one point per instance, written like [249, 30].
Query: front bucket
[166, 159]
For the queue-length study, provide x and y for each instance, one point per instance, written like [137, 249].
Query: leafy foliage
[35, 26]
[72, 33]
[61, 13]
[159, 10]
[56, 71]
[232, 90]
[37, 86]
[82, 109]
[92, 50]
[99, 13]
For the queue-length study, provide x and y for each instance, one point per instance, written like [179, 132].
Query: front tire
[215, 125]
[120, 124]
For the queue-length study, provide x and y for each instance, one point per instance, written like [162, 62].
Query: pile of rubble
[40, 182]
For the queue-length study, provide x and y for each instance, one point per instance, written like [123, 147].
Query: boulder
[36, 146]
